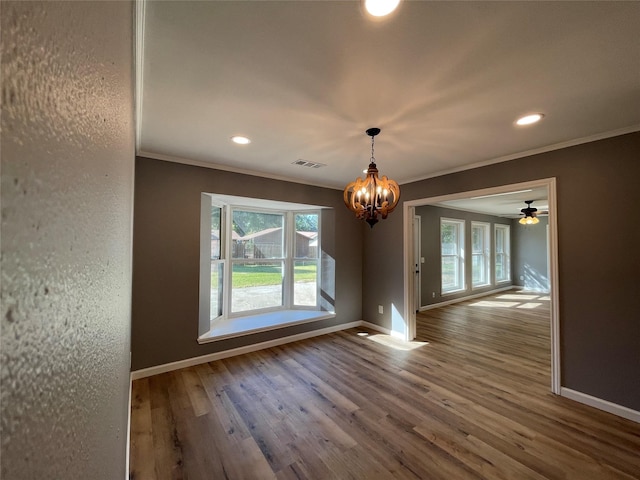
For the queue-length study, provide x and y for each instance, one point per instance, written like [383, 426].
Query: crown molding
[227, 168]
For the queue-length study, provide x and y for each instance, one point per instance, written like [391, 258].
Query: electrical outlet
[433, 294]
[380, 309]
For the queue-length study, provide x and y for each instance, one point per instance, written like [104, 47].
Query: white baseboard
[600, 404]
[378, 328]
[465, 298]
[190, 362]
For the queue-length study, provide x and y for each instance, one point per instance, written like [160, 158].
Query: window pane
[449, 239]
[305, 284]
[256, 286]
[217, 275]
[449, 273]
[478, 270]
[499, 269]
[257, 235]
[477, 237]
[306, 245]
[499, 240]
[216, 213]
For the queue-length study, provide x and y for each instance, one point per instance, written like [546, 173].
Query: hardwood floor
[469, 399]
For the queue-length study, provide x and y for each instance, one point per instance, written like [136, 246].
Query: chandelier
[530, 215]
[371, 197]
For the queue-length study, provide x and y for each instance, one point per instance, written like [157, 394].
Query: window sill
[240, 326]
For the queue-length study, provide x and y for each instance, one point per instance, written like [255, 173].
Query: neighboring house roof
[234, 236]
[267, 231]
[309, 235]
[259, 234]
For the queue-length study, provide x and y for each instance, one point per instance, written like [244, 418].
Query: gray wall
[430, 273]
[166, 256]
[599, 261]
[530, 256]
[67, 198]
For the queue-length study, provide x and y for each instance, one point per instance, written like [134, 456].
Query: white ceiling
[506, 204]
[443, 80]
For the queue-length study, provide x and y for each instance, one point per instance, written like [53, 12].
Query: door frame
[417, 256]
[409, 285]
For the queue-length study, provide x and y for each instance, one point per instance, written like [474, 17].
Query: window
[452, 255]
[260, 266]
[503, 253]
[480, 254]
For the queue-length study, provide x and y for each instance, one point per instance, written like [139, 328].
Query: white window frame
[293, 259]
[242, 261]
[288, 261]
[459, 255]
[505, 255]
[485, 254]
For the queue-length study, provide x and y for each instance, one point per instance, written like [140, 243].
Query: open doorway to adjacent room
[476, 255]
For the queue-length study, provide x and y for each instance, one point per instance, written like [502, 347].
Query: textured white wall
[67, 188]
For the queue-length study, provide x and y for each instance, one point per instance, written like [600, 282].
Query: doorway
[411, 279]
[417, 260]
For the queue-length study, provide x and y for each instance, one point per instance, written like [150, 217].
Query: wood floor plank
[142, 431]
[469, 399]
[168, 459]
[197, 396]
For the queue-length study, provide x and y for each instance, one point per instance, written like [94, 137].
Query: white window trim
[486, 255]
[461, 255]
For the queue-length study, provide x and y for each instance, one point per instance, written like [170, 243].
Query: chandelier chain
[373, 159]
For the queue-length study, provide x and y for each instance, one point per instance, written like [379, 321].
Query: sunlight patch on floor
[529, 305]
[492, 303]
[394, 343]
[517, 300]
[515, 296]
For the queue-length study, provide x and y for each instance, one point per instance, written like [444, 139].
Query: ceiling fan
[530, 214]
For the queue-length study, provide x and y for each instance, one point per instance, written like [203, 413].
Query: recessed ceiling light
[529, 119]
[380, 8]
[240, 140]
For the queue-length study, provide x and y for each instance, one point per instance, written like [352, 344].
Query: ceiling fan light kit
[371, 197]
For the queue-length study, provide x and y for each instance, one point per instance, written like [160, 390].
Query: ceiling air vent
[304, 163]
